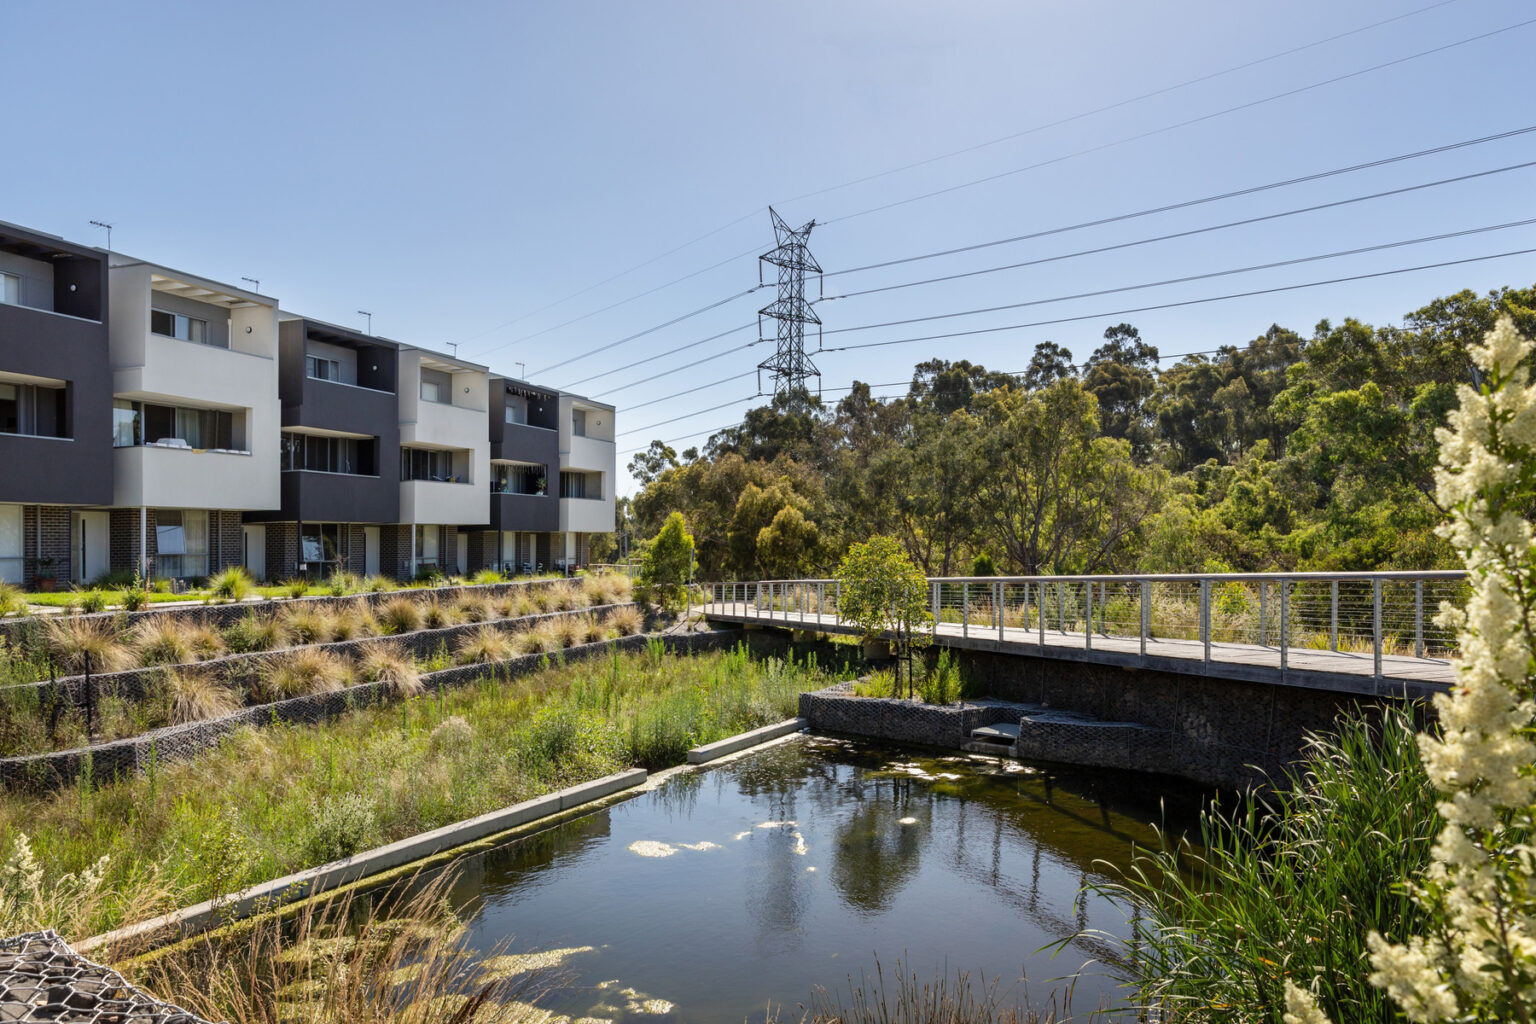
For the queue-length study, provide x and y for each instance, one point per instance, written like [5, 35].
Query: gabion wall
[42, 979]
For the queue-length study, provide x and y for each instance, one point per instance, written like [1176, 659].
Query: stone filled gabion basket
[43, 979]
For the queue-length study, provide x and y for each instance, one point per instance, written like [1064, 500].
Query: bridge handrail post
[1333, 616]
[1146, 614]
[1285, 609]
[1040, 610]
[1205, 617]
[1418, 618]
[1061, 608]
[998, 605]
[1088, 617]
[837, 599]
[1263, 606]
[1376, 625]
[934, 607]
[965, 609]
[821, 599]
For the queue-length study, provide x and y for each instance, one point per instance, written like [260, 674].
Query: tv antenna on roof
[522, 371]
[255, 284]
[455, 346]
[104, 224]
[369, 315]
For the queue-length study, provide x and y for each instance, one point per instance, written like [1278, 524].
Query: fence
[1385, 614]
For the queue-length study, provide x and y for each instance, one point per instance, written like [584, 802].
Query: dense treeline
[1284, 452]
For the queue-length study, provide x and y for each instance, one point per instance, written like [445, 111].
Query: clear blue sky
[454, 167]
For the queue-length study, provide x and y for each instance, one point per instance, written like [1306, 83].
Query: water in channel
[724, 891]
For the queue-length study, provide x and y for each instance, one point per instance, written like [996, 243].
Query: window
[322, 369]
[518, 479]
[573, 485]
[426, 545]
[175, 325]
[517, 410]
[181, 544]
[12, 566]
[135, 423]
[436, 386]
[427, 464]
[579, 422]
[320, 454]
[10, 289]
[319, 543]
[32, 409]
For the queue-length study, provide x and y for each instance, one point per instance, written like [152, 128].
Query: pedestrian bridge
[1371, 633]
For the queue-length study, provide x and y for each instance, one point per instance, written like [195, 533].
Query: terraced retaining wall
[224, 614]
[180, 742]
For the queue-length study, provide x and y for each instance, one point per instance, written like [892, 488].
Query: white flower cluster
[1478, 962]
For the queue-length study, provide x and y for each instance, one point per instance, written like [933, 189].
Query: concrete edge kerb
[371, 862]
[731, 744]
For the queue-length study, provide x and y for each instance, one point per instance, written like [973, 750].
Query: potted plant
[538, 486]
[47, 574]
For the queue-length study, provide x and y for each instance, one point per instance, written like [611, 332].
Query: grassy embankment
[270, 802]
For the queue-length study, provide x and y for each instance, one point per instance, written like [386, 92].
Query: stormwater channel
[724, 892]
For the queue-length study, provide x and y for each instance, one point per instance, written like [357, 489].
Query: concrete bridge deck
[1338, 671]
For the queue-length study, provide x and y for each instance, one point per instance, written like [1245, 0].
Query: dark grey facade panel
[535, 513]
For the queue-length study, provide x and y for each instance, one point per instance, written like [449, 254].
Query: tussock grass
[196, 696]
[342, 583]
[569, 630]
[486, 644]
[400, 615]
[241, 813]
[206, 642]
[161, 640]
[473, 608]
[75, 643]
[302, 672]
[626, 621]
[487, 576]
[382, 665]
[376, 585]
[307, 624]
[12, 599]
[255, 632]
[233, 584]
[436, 615]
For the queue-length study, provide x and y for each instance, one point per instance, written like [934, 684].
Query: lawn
[288, 797]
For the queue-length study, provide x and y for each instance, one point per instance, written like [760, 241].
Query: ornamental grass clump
[473, 608]
[342, 583]
[12, 599]
[254, 633]
[77, 645]
[487, 576]
[542, 638]
[307, 624]
[305, 671]
[161, 640]
[1474, 958]
[626, 621]
[570, 630]
[232, 584]
[93, 600]
[400, 615]
[206, 642]
[196, 696]
[485, 645]
[382, 665]
[436, 615]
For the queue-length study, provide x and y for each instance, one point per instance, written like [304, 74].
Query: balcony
[332, 405]
[522, 442]
[586, 515]
[312, 496]
[590, 453]
[438, 501]
[450, 426]
[167, 476]
[535, 513]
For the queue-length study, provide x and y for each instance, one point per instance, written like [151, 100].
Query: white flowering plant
[1477, 961]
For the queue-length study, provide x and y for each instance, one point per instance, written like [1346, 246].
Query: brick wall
[282, 550]
[54, 523]
[124, 530]
[227, 545]
[353, 548]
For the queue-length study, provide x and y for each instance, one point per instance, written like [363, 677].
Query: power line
[662, 355]
[1182, 124]
[1185, 302]
[1191, 277]
[1205, 200]
[651, 330]
[689, 415]
[668, 373]
[1117, 105]
[689, 391]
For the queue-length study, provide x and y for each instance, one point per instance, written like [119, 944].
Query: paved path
[1335, 670]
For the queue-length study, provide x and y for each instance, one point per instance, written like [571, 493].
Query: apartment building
[445, 462]
[340, 447]
[55, 409]
[159, 421]
[195, 416]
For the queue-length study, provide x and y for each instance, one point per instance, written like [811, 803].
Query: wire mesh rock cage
[43, 979]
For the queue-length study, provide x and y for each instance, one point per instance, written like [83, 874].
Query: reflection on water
[728, 891]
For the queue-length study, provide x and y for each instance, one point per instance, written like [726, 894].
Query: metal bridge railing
[1384, 614]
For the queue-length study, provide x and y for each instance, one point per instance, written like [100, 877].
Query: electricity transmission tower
[789, 366]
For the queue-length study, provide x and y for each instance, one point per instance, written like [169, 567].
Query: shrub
[254, 633]
[302, 672]
[342, 583]
[382, 665]
[453, 734]
[484, 645]
[400, 615]
[196, 696]
[485, 576]
[341, 826]
[233, 584]
[666, 565]
[93, 600]
[135, 598]
[941, 684]
[74, 643]
[161, 640]
[879, 684]
[882, 592]
[376, 585]
[626, 621]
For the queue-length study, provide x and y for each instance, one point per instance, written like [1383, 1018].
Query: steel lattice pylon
[789, 366]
